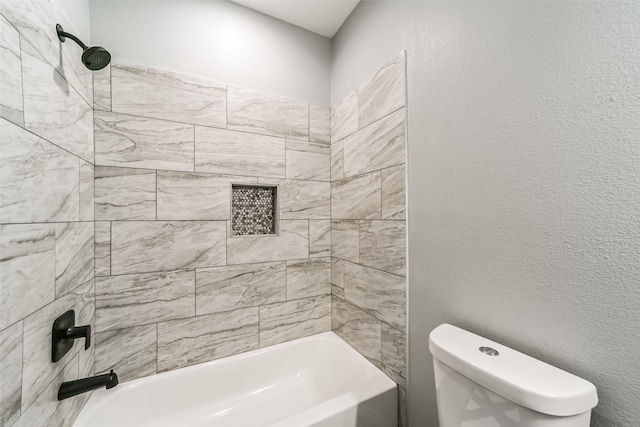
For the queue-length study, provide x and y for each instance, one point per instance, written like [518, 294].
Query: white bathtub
[315, 381]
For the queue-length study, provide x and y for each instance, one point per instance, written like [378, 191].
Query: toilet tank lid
[513, 375]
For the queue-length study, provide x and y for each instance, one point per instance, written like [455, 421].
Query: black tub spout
[73, 388]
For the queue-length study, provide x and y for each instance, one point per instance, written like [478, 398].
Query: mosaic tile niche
[253, 210]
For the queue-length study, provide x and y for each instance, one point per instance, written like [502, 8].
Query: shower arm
[62, 34]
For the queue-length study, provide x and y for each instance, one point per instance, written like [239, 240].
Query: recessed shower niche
[253, 210]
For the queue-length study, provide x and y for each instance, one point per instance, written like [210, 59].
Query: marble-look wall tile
[11, 373]
[267, 114]
[229, 152]
[149, 92]
[145, 246]
[337, 272]
[102, 248]
[30, 164]
[87, 191]
[345, 240]
[53, 110]
[203, 338]
[384, 93]
[319, 238]
[308, 278]
[337, 161]
[10, 74]
[28, 265]
[292, 242]
[35, 20]
[239, 286]
[45, 410]
[131, 141]
[393, 193]
[394, 363]
[381, 294]
[344, 117]
[383, 245]
[131, 352]
[361, 330]
[124, 193]
[319, 124]
[357, 198]
[377, 146]
[74, 255]
[193, 196]
[102, 89]
[139, 299]
[304, 199]
[38, 370]
[307, 160]
[337, 291]
[290, 320]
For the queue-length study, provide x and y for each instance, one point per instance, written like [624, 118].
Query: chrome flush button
[489, 351]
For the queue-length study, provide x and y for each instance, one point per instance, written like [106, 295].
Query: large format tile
[87, 191]
[292, 242]
[307, 160]
[149, 92]
[130, 352]
[30, 164]
[393, 193]
[36, 21]
[38, 370]
[267, 114]
[344, 117]
[377, 146]
[357, 198]
[11, 373]
[52, 109]
[394, 346]
[28, 266]
[239, 286]
[203, 338]
[144, 246]
[383, 245]
[337, 161]
[139, 299]
[10, 74]
[319, 124]
[345, 240]
[337, 272]
[123, 193]
[102, 89]
[308, 278]
[193, 196]
[381, 294]
[319, 238]
[304, 199]
[384, 93]
[131, 141]
[74, 255]
[229, 152]
[285, 321]
[102, 248]
[359, 329]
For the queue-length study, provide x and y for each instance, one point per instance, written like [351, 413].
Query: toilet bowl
[480, 383]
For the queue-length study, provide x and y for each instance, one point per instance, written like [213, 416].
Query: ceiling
[322, 17]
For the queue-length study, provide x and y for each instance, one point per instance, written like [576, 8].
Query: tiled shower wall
[368, 221]
[46, 212]
[173, 286]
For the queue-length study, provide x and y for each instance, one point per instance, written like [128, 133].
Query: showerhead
[93, 57]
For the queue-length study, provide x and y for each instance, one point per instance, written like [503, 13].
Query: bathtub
[314, 381]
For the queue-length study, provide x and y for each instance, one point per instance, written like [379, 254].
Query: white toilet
[481, 383]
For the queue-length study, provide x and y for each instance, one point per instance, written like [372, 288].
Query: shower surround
[173, 286]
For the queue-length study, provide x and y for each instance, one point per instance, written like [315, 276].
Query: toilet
[480, 383]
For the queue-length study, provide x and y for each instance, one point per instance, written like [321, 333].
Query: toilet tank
[480, 383]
